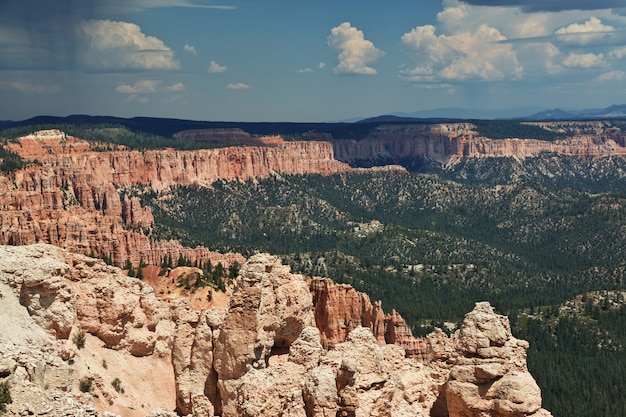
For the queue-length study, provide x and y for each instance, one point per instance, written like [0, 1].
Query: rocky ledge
[79, 338]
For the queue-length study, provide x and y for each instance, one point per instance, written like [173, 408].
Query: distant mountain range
[349, 128]
[616, 111]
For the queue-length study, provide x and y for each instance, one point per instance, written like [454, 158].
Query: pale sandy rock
[201, 406]
[489, 377]
[39, 286]
[267, 312]
[320, 392]
[192, 358]
[307, 349]
[269, 391]
[482, 329]
[123, 312]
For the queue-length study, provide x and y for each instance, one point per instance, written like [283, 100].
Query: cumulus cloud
[215, 68]
[238, 86]
[477, 55]
[618, 53]
[591, 32]
[584, 61]
[612, 76]
[304, 70]
[321, 65]
[355, 52]
[26, 87]
[142, 88]
[191, 49]
[123, 46]
[175, 87]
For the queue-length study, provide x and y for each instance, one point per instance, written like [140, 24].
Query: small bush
[117, 384]
[5, 395]
[85, 384]
[104, 364]
[79, 339]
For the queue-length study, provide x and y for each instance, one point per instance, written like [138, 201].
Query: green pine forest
[542, 239]
[432, 244]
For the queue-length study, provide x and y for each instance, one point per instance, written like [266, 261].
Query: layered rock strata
[451, 142]
[70, 195]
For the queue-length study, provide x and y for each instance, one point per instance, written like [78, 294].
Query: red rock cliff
[339, 309]
[451, 142]
[70, 196]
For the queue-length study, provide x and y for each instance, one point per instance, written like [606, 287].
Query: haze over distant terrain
[307, 61]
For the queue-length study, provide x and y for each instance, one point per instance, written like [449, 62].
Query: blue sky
[329, 60]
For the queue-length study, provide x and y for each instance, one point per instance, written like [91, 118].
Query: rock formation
[339, 309]
[73, 197]
[260, 357]
[448, 143]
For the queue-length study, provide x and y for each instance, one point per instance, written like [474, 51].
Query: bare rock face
[267, 312]
[489, 377]
[192, 358]
[339, 309]
[47, 298]
[449, 143]
[262, 356]
[71, 197]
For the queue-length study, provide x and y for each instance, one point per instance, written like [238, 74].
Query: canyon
[70, 195]
[282, 344]
[81, 338]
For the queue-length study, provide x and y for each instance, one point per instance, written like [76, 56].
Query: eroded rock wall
[262, 356]
[70, 195]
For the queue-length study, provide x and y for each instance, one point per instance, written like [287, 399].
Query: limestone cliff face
[261, 356]
[70, 196]
[451, 142]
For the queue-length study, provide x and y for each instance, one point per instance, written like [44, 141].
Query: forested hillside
[430, 245]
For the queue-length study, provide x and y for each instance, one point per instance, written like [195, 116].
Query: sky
[307, 61]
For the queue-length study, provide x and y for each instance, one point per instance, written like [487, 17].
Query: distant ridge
[616, 111]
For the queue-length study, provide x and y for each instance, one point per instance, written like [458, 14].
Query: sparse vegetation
[85, 384]
[117, 385]
[5, 395]
[79, 339]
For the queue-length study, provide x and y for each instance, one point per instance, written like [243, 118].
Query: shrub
[85, 384]
[117, 384]
[5, 395]
[79, 339]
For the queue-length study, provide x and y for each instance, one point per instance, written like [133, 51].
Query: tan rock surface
[260, 357]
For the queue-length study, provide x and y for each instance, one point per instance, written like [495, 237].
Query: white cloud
[321, 65]
[355, 52]
[584, 61]
[304, 70]
[123, 46]
[612, 76]
[175, 87]
[215, 68]
[592, 32]
[238, 86]
[477, 55]
[618, 53]
[141, 86]
[26, 87]
[191, 49]
[140, 89]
